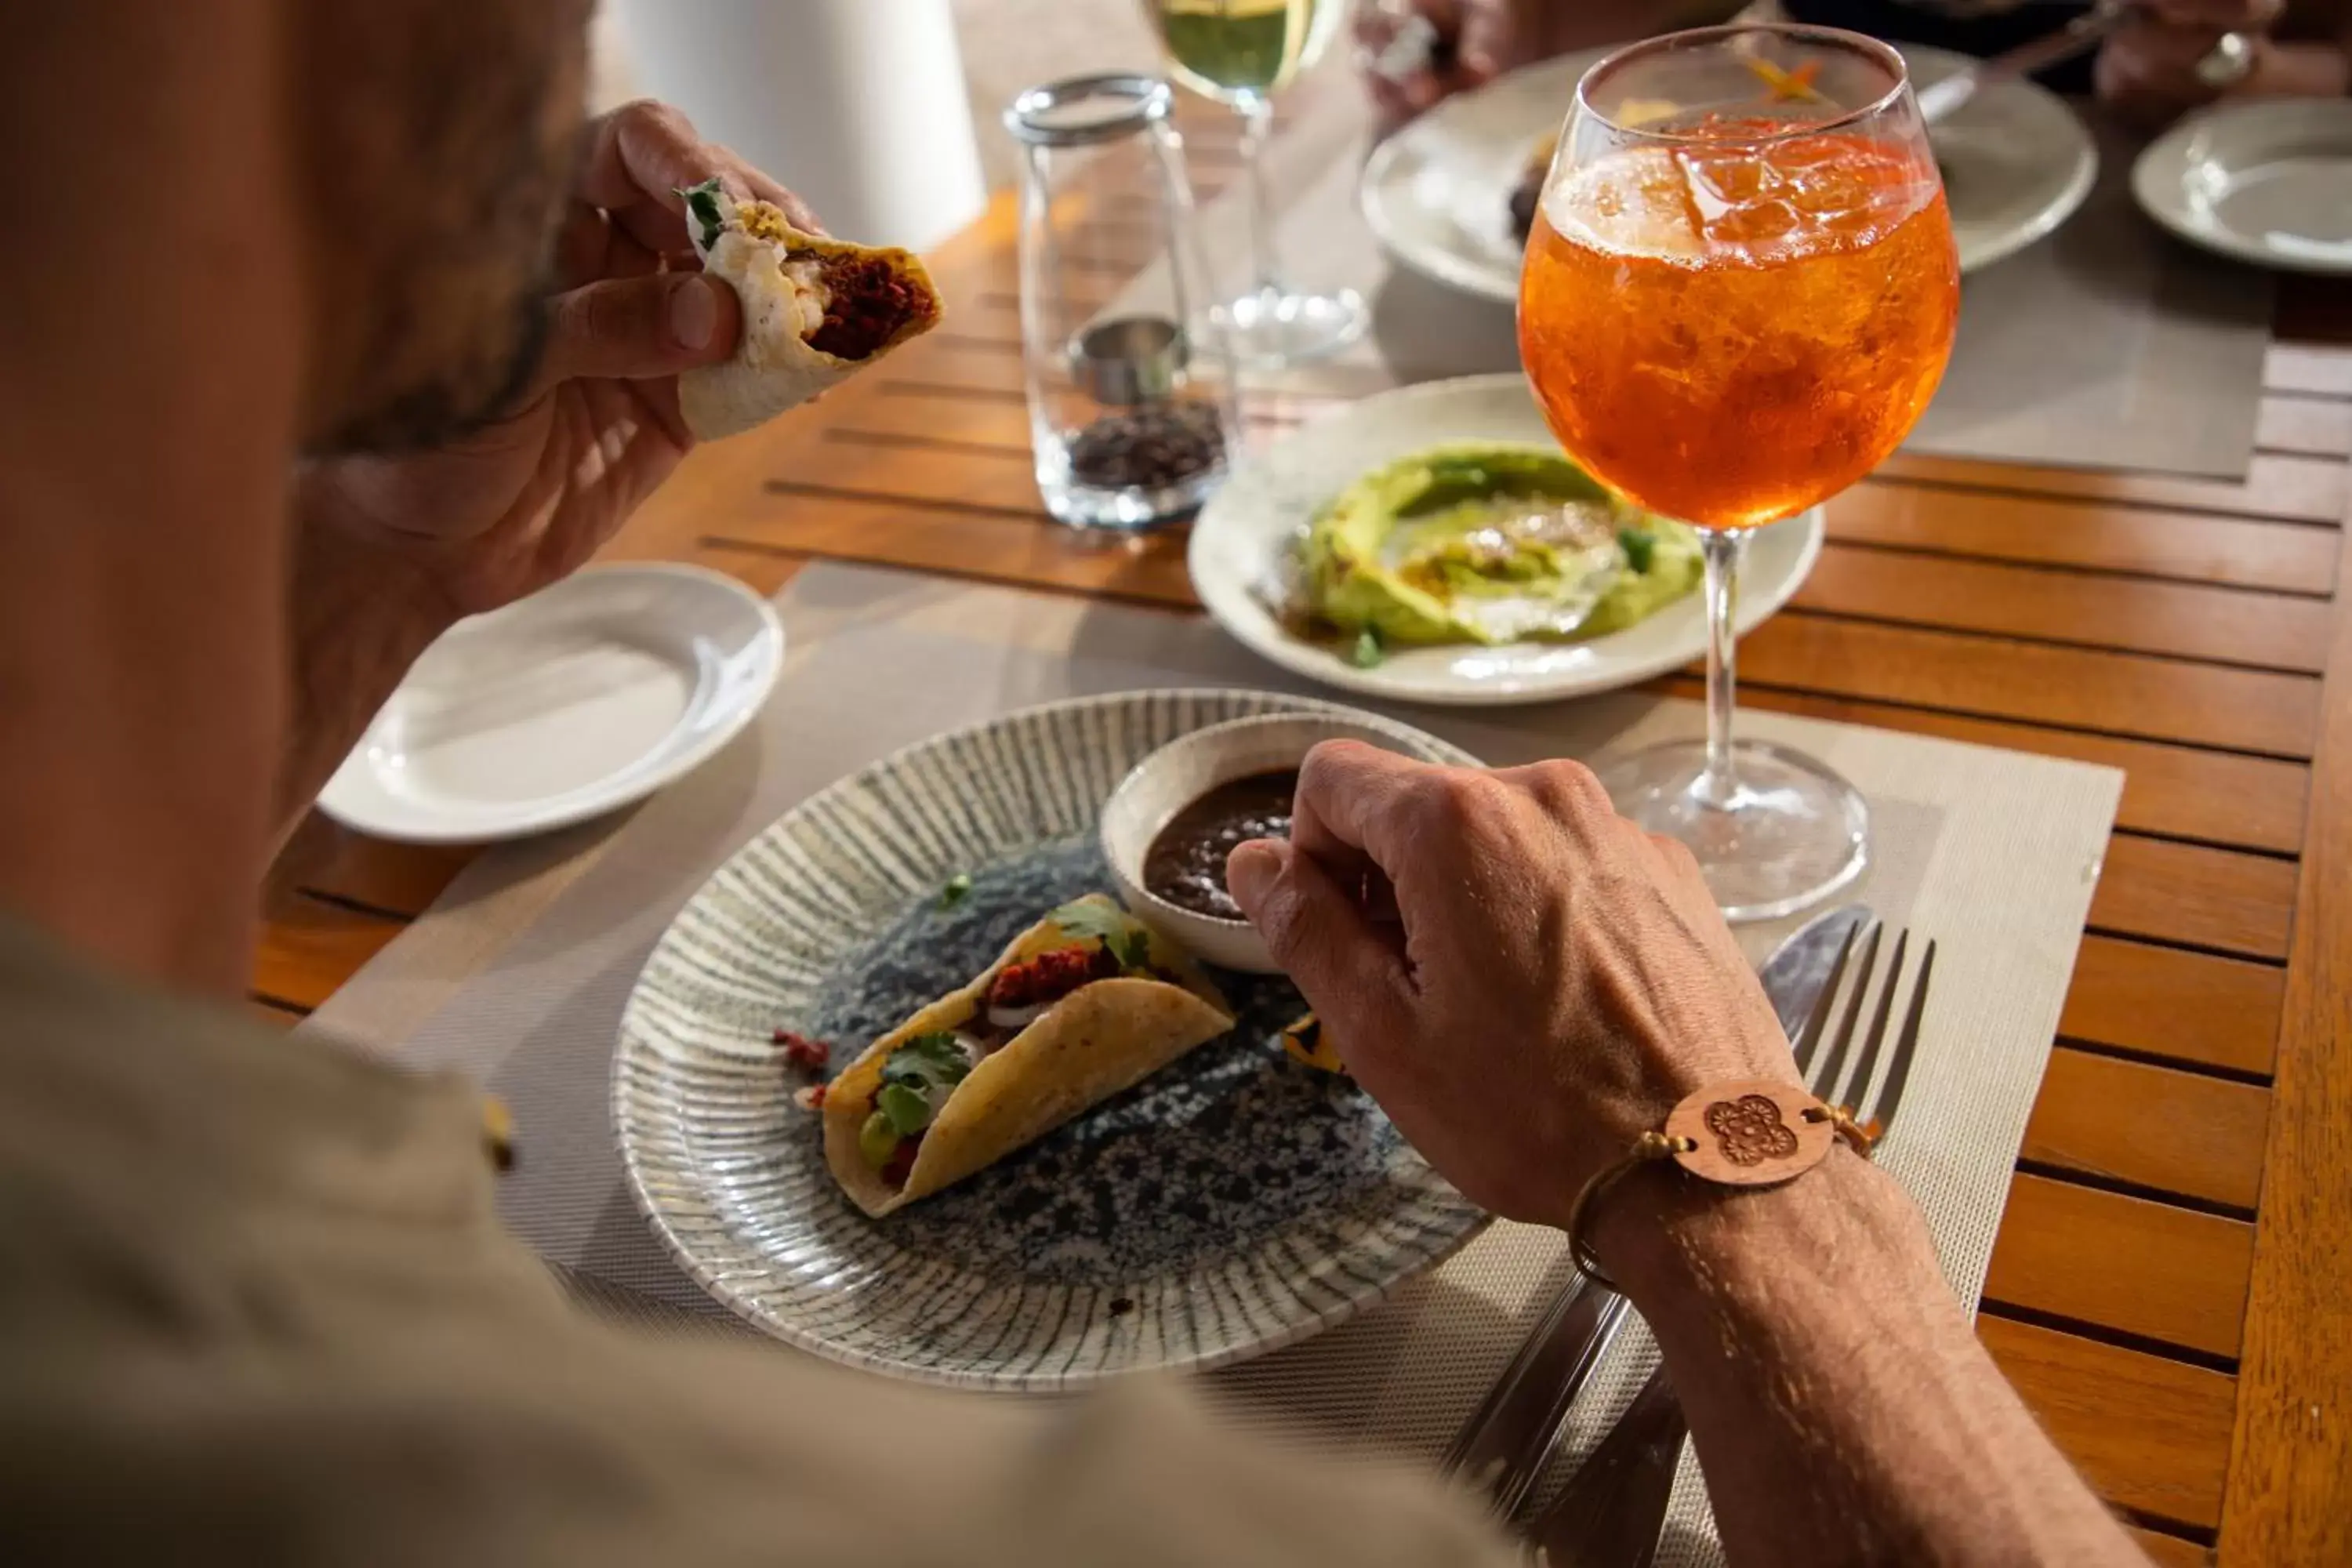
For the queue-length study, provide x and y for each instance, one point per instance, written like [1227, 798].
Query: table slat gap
[2149, 1433]
[2122, 1266]
[2177, 1135]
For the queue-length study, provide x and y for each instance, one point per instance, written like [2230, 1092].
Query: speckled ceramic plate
[1242, 546]
[2017, 162]
[1230, 1204]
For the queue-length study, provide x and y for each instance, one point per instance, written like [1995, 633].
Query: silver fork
[1616, 1506]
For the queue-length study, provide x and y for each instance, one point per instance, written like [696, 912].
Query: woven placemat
[518, 976]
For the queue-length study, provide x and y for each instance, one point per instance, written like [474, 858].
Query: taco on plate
[815, 311]
[1081, 1005]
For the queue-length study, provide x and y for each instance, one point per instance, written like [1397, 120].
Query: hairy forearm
[1843, 1408]
[360, 616]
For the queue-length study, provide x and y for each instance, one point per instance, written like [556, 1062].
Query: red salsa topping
[1050, 976]
[803, 1052]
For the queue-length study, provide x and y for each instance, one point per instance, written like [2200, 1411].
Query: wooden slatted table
[2169, 1288]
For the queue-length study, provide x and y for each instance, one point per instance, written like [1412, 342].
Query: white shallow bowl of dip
[1184, 770]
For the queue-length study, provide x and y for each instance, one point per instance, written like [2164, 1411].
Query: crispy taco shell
[1099, 1039]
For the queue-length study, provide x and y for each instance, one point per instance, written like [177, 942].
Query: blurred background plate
[2017, 163]
[1244, 535]
[1231, 1202]
[576, 701]
[2268, 183]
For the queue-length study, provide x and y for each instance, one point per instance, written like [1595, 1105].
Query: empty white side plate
[574, 703]
[2267, 181]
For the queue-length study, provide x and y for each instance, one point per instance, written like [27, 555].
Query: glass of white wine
[1242, 52]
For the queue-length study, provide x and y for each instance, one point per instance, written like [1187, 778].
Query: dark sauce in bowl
[1186, 863]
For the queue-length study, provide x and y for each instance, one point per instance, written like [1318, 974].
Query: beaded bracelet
[1751, 1132]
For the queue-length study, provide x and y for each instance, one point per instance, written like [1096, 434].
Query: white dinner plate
[2268, 183]
[574, 703]
[1245, 534]
[2017, 162]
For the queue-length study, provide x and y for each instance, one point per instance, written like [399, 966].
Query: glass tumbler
[1131, 381]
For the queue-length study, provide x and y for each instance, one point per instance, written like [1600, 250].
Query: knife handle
[1612, 1511]
[1507, 1442]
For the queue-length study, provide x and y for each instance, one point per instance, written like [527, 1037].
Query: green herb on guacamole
[1640, 546]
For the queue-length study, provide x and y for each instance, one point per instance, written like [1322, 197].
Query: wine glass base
[1271, 330]
[1792, 833]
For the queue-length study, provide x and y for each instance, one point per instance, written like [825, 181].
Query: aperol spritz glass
[1738, 297]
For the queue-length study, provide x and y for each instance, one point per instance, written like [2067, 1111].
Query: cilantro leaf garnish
[1132, 949]
[925, 1063]
[1127, 942]
[1100, 922]
[1640, 547]
[907, 1109]
[703, 206]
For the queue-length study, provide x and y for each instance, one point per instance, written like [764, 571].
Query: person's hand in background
[1551, 980]
[2168, 58]
[1416, 52]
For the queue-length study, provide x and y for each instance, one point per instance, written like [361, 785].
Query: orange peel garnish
[1790, 86]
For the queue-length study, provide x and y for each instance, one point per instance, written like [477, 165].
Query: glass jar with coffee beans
[1129, 378]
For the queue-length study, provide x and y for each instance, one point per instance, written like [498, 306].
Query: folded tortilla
[1102, 1037]
[815, 311]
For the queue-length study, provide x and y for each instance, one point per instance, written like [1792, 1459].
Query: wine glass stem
[1723, 549]
[1258, 127]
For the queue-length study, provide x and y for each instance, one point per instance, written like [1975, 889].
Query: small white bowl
[1189, 767]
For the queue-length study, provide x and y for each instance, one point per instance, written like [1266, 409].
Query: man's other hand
[1523, 979]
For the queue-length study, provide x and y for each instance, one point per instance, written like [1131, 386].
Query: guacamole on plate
[1487, 544]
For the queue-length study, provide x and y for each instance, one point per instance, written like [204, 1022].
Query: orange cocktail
[1738, 296]
[1729, 334]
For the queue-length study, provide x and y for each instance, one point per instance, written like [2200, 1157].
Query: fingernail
[1251, 867]
[693, 314]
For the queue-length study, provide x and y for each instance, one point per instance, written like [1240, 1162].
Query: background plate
[1245, 532]
[574, 703]
[2017, 162]
[2267, 182]
[1231, 1204]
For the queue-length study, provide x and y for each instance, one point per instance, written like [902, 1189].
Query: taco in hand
[815, 311]
[1081, 1005]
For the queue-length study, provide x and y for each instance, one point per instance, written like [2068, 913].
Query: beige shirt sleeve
[257, 1309]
